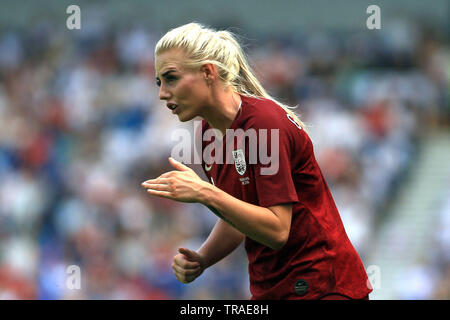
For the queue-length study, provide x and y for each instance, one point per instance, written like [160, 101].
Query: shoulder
[262, 113]
[266, 114]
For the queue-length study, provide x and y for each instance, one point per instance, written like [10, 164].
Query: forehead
[170, 59]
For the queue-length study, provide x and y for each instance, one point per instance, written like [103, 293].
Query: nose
[163, 93]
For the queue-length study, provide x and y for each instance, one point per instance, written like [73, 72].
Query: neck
[221, 113]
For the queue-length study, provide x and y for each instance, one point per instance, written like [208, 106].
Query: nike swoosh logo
[207, 168]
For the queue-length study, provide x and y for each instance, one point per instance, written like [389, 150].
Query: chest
[235, 177]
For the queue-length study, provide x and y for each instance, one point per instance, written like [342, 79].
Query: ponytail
[203, 45]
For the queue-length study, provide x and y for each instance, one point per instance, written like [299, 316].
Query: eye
[170, 78]
[158, 82]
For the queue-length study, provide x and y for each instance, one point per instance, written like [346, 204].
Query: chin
[184, 118]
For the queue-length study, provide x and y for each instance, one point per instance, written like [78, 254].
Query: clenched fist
[187, 265]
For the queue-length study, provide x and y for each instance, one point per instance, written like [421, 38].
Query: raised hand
[182, 185]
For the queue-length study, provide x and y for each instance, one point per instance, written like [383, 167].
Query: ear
[209, 72]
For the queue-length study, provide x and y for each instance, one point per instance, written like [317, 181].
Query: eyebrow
[166, 73]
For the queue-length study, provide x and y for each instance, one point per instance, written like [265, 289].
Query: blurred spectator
[82, 127]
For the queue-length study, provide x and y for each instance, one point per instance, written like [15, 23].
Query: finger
[185, 272]
[163, 194]
[167, 174]
[178, 165]
[188, 279]
[159, 180]
[185, 279]
[190, 255]
[159, 187]
[185, 264]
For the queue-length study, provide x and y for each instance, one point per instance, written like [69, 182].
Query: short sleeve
[273, 170]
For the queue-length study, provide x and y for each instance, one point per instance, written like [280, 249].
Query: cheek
[192, 89]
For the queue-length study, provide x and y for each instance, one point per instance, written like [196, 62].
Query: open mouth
[172, 106]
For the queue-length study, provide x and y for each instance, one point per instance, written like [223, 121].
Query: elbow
[280, 241]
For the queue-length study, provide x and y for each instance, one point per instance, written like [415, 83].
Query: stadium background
[81, 127]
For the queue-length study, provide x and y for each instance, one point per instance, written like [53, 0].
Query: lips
[172, 106]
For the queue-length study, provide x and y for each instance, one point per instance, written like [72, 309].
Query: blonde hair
[203, 45]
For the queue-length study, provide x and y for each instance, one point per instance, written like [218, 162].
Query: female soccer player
[294, 238]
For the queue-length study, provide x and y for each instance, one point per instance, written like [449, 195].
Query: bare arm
[189, 265]
[222, 240]
[268, 226]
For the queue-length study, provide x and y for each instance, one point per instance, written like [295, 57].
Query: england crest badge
[239, 161]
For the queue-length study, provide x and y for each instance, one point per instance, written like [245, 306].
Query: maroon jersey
[318, 258]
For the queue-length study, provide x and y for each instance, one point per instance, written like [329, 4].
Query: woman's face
[185, 91]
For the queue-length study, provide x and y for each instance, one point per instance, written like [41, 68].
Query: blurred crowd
[82, 127]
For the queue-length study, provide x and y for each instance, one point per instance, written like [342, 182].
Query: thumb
[178, 165]
[190, 255]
